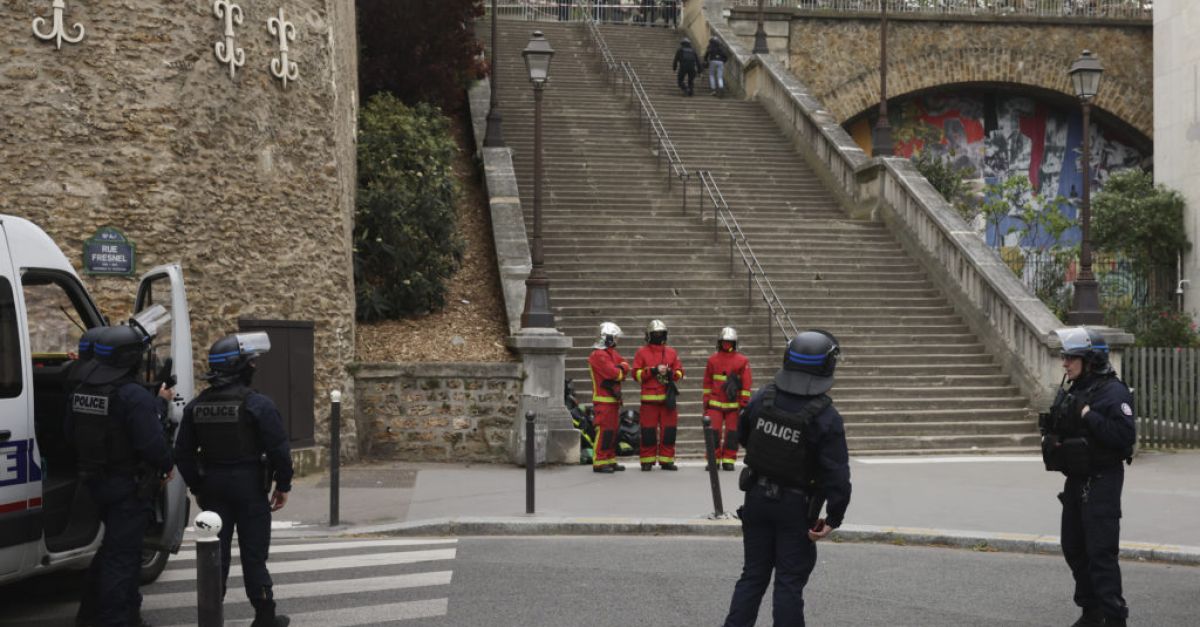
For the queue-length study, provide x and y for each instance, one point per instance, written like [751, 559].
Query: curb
[729, 527]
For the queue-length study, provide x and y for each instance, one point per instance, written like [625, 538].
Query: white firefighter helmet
[656, 330]
[728, 334]
[609, 332]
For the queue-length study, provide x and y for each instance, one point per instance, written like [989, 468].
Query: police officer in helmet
[123, 458]
[796, 458]
[231, 447]
[1088, 435]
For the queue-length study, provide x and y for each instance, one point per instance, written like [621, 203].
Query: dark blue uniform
[236, 490]
[112, 582]
[1091, 516]
[775, 531]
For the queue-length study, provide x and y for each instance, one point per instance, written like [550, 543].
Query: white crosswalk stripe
[348, 572]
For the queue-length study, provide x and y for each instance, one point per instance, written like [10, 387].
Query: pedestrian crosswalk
[343, 583]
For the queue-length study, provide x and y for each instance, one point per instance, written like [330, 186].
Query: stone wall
[838, 57]
[437, 412]
[1177, 123]
[250, 185]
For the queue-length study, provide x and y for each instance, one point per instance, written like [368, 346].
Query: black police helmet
[116, 353]
[235, 354]
[86, 341]
[808, 364]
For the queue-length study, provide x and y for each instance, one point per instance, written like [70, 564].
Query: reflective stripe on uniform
[654, 397]
[596, 398]
[647, 460]
[666, 460]
[722, 405]
[718, 377]
[746, 393]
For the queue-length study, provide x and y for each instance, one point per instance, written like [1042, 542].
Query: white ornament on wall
[226, 51]
[58, 31]
[281, 68]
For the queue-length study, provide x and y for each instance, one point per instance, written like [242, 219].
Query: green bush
[948, 180]
[1144, 221]
[405, 242]
[1159, 326]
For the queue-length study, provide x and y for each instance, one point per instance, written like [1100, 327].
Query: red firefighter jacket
[720, 365]
[645, 367]
[606, 364]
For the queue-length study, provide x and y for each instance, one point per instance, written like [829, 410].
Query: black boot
[669, 466]
[1091, 618]
[264, 613]
[647, 467]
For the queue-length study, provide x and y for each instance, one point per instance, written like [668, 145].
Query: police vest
[101, 441]
[778, 444]
[224, 429]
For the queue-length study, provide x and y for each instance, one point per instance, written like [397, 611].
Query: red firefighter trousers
[724, 426]
[659, 426]
[608, 420]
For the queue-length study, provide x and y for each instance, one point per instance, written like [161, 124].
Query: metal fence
[1125, 288]
[1166, 392]
[1098, 9]
[640, 13]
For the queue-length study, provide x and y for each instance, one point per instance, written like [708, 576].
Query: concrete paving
[1003, 503]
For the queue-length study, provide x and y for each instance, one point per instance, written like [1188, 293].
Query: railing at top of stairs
[756, 276]
[641, 13]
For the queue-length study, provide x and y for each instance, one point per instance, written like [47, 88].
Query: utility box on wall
[286, 374]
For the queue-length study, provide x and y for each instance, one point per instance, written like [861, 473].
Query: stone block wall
[437, 412]
[248, 183]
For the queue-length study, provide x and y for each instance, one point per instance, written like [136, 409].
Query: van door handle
[5, 435]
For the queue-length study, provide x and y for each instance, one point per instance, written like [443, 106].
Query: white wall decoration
[281, 68]
[58, 31]
[227, 53]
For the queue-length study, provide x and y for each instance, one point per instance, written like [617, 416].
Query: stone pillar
[543, 360]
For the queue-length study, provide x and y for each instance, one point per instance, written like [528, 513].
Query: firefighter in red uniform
[656, 366]
[727, 388]
[607, 369]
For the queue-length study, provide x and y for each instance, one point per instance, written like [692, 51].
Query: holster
[264, 465]
[746, 479]
[1070, 456]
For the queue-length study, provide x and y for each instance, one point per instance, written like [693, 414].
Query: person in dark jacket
[796, 459]
[231, 447]
[715, 57]
[685, 65]
[1088, 435]
[123, 457]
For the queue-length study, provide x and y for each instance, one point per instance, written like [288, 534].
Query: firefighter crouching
[727, 385]
[607, 369]
[656, 366]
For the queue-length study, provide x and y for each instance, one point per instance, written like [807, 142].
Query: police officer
[1087, 435]
[231, 446]
[796, 457]
[123, 458]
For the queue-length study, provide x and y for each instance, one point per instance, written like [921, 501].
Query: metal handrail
[723, 216]
[1068, 9]
[756, 276]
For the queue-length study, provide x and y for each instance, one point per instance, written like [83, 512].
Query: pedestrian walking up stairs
[913, 377]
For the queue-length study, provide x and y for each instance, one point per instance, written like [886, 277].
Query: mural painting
[998, 136]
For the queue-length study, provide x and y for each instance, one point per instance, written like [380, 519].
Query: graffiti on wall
[998, 136]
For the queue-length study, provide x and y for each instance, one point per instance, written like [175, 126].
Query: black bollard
[209, 610]
[711, 455]
[335, 456]
[530, 461]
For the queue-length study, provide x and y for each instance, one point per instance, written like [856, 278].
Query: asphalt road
[665, 581]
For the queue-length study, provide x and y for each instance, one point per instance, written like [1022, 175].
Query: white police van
[47, 520]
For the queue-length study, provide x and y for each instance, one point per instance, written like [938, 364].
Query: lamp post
[1085, 308]
[881, 144]
[494, 138]
[760, 35]
[537, 287]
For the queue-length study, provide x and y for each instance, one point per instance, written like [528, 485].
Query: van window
[10, 348]
[54, 323]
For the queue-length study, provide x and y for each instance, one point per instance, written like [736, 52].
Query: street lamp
[760, 35]
[881, 145]
[494, 138]
[1085, 308]
[537, 287]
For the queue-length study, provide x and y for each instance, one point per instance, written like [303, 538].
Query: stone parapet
[437, 411]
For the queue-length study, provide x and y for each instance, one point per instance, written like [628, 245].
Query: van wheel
[153, 564]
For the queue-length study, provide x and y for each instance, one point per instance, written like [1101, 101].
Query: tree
[405, 241]
[948, 180]
[419, 50]
[1142, 220]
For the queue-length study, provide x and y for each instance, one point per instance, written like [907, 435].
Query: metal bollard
[711, 454]
[209, 596]
[530, 461]
[335, 457]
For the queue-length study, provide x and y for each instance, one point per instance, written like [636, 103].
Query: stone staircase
[913, 378]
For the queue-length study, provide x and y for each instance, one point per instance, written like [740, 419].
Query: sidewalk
[1005, 503]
